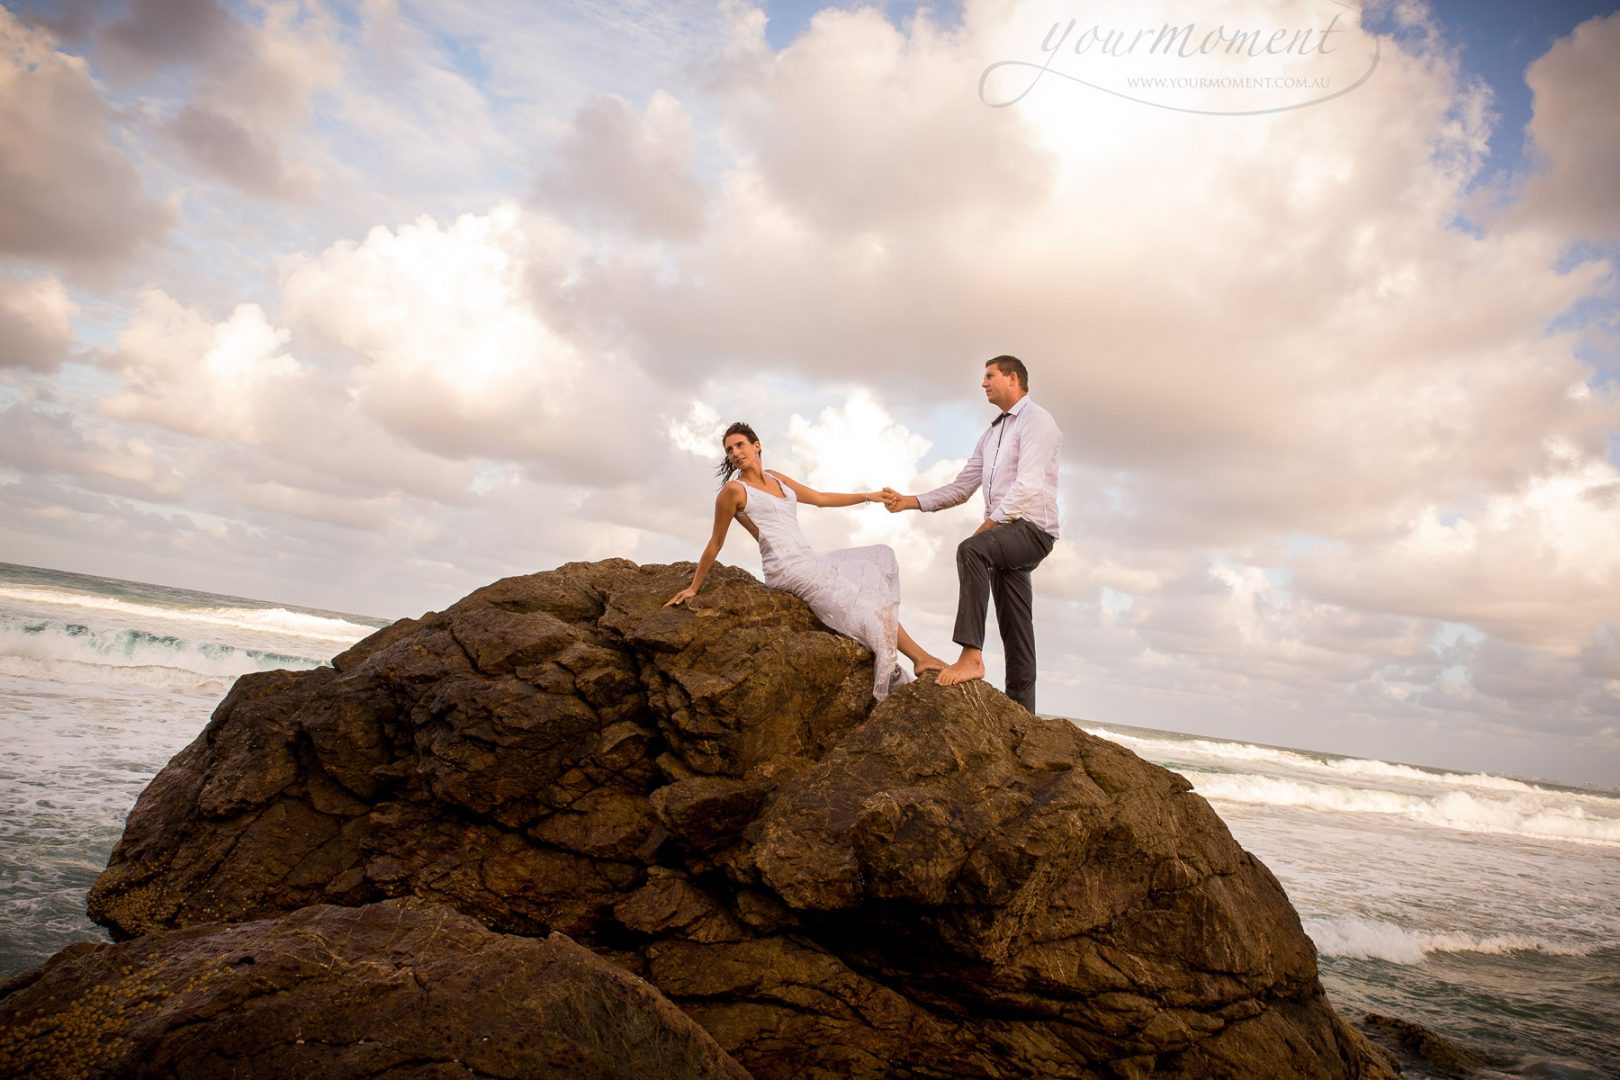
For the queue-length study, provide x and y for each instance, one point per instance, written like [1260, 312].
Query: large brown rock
[943, 885]
[392, 990]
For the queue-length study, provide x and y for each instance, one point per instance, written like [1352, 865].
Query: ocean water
[101, 682]
[1485, 907]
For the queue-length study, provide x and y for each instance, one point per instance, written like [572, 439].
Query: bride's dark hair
[726, 469]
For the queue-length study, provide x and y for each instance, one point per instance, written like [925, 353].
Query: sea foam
[71, 652]
[1247, 773]
[273, 620]
[1161, 749]
[1374, 939]
[1536, 814]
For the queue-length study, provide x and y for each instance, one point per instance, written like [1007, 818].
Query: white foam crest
[1248, 753]
[1539, 815]
[153, 675]
[58, 652]
[1357, 937]
[282, 621]
[1347, 767]
[274, 620]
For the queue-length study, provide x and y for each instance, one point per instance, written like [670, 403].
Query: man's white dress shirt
[1016, 463]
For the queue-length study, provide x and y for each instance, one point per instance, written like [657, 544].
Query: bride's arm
[827, 498]
[726, 505]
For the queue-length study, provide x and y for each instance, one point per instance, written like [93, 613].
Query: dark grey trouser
[997, 563]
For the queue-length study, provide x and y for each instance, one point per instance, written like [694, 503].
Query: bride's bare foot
[966, 669]
[922, 660]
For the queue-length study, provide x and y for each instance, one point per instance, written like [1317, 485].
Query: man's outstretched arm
[897, 502]
[946, 495]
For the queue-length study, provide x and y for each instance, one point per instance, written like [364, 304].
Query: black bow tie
[1000, 418]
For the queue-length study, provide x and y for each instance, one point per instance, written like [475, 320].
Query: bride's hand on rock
[681, 597]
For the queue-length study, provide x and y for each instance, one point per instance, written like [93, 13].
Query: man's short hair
[1011, 365]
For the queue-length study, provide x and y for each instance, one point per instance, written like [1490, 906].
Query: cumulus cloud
[1576, 134]
[187, 374]
[698, 432]
[860, 446]
[456, 353]
[68, 192]
[1538, 567]
[35, 326]
[869, 181]
[862, 126]
[287, 436]
[621, 169]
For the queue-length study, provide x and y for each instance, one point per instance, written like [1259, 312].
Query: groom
[1016, 463]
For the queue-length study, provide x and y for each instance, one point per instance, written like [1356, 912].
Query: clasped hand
[895, 502]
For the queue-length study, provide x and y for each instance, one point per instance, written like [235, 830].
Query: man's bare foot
[968, 668]
[929, 662]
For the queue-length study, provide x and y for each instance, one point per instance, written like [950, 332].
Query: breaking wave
[1236, 772]
[73, 652]
[1373, 939]
[274, 620]
[1539, 815]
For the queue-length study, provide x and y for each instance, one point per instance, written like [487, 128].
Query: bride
[856, 591]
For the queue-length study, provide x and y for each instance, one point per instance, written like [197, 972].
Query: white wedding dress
[855, 591]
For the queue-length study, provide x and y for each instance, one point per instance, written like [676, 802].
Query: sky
[363, 305]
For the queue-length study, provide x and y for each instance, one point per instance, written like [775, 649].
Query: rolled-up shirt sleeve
[957, 491]
[1039, 443]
